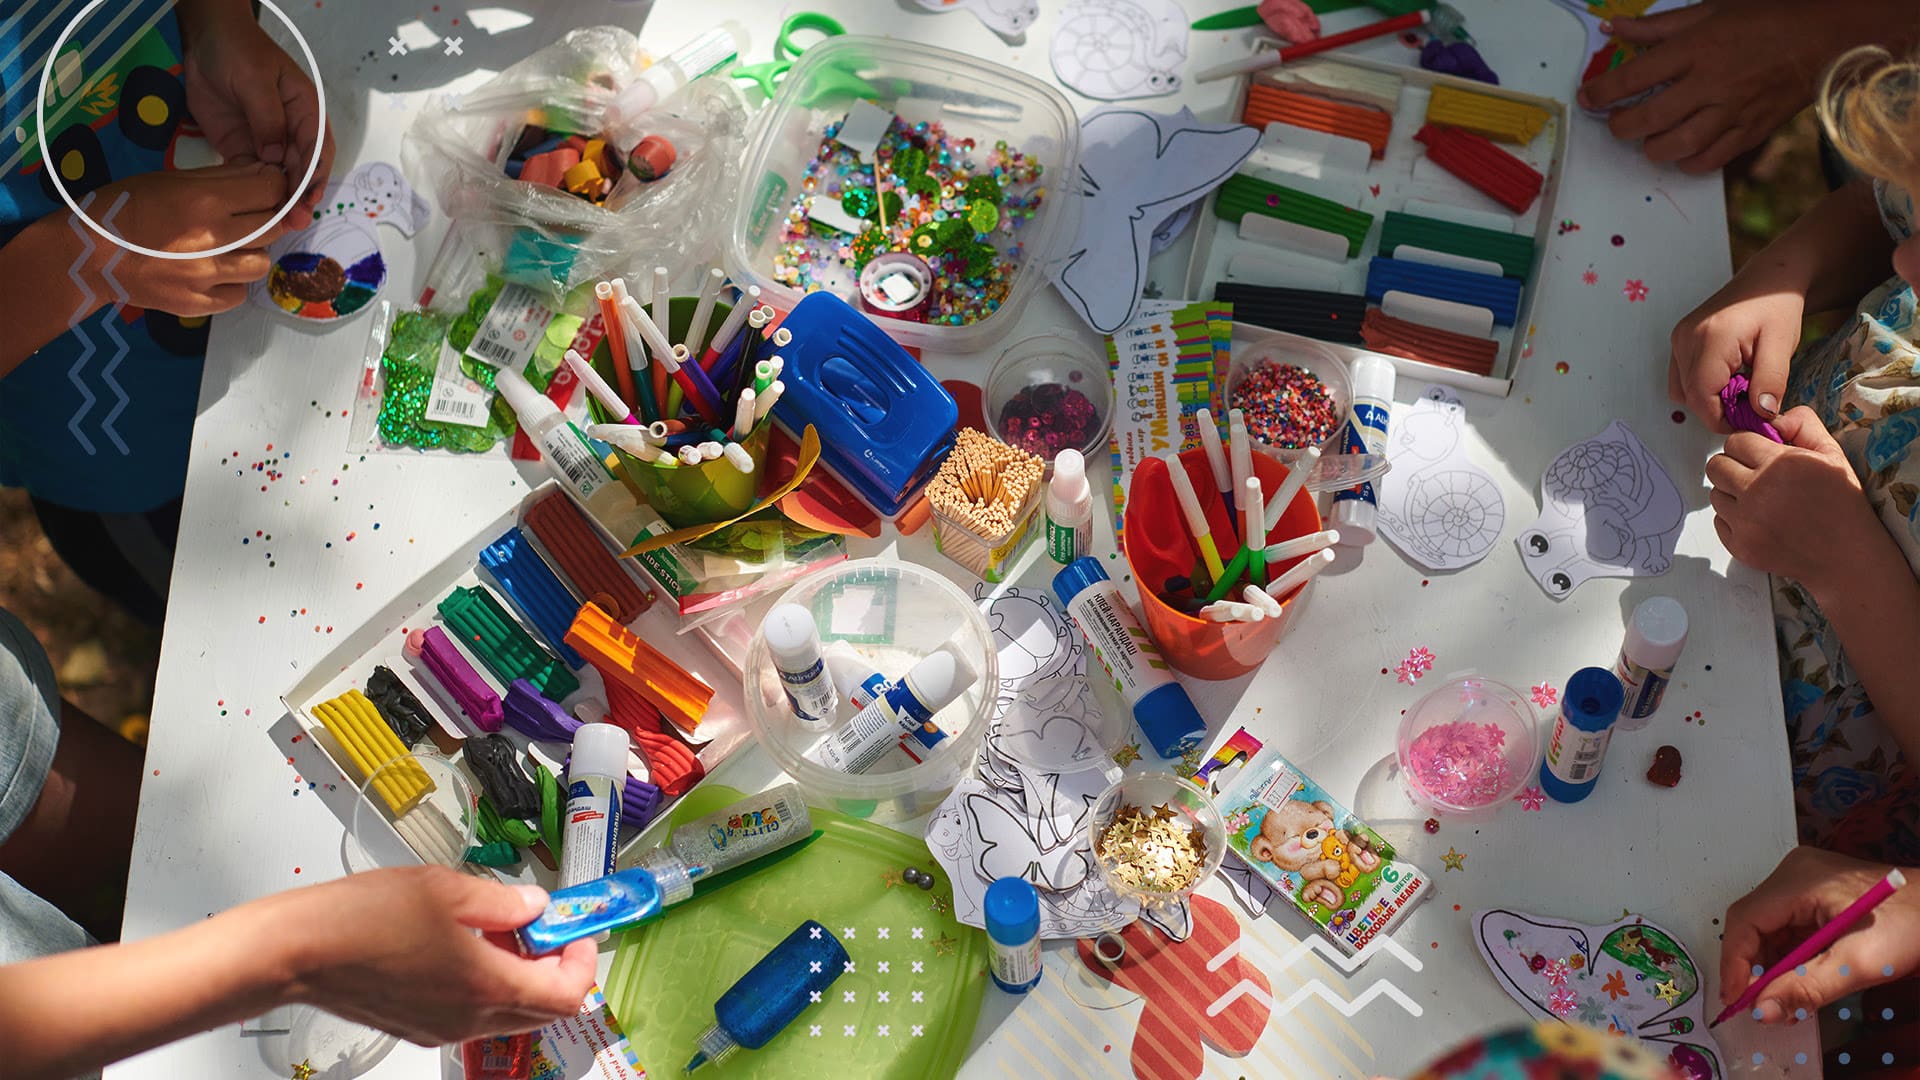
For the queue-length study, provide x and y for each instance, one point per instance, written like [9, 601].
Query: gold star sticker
[1630, 944]
[1666, 991]
[891, 878]
[1127, 755]
[1163, 812]
[1454, 860]
[943, 945]
[939, 905]
[304, 1070]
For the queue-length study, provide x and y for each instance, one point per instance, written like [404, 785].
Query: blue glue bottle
[1012, 912]
[1581, 731]
[772, 993]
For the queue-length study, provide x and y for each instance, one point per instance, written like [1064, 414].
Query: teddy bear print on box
[334, 267]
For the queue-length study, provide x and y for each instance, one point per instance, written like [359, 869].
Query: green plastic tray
[666, 975]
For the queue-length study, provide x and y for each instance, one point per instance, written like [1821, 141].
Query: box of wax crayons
[490, 659]
[1331, 865]
[1391, 210]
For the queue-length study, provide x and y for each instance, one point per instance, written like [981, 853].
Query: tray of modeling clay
[903, 1010]
[488, 661]
[1391, 210]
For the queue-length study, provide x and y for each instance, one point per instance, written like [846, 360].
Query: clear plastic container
[1308, 355]
[437, 827]
[988, 556]
[968, 96]
[1470, 744]
[1048, 361]
[1149, 791]
[892, 614]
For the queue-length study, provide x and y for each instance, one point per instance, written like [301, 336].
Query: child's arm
[394, 949]
[1828, 259]
[1798, 510]
[39, 298]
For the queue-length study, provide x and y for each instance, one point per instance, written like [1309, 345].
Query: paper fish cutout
[1629, 977]
[333, 268]
[1607, 509]
[1117, 49]
[1437, 507]
[1136, 169]
[1008, 18]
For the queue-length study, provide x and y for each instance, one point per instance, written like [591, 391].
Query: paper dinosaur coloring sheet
[1137, 169]
[1629, 976]
[1117, 49]
[1437, 507]
[1008, 18]
[333, 267]
[1607, 509]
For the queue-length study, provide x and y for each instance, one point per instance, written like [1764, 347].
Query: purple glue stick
[456, 676]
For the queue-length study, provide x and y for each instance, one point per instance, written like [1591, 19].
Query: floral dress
[1854, 792]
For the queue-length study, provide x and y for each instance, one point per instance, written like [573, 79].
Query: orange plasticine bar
[623, 658]
[1268, 104]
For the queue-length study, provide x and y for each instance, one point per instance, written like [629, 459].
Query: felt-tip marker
[1196, 517]
[1216, 456]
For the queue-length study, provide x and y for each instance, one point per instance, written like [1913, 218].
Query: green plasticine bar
[549, 807]
[492, 828]
[1512, 251]
[1242, 195]
[486, 630]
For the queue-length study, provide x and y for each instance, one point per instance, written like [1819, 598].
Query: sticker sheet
[1607, 509]
[334, 268]
[1437, 507]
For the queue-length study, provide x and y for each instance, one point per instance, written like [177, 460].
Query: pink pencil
[1817, 944]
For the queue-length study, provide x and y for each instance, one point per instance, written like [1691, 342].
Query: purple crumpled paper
[1741, 415]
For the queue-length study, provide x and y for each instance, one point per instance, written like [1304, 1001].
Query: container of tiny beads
[944, 156]
[1293, 390]
[1050, 393]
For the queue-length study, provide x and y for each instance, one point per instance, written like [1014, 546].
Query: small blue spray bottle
[772, 993]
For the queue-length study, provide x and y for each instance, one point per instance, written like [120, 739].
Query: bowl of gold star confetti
[1156, 837]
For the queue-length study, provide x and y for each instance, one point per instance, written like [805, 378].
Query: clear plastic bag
[555, 241]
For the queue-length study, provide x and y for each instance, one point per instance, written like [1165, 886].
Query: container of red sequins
[1050, 393]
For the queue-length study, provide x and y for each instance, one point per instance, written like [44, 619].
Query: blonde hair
[1869, 104]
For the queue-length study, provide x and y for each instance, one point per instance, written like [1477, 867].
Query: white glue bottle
[905, 708]
[1366, 433]
[595, 781]
[854, 675]
[564, 447]
[1656, 635]
[794, 643]
[1069, 508]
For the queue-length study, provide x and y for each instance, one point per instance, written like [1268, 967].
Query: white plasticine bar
[1341, 82]
[1430, 257]
[1439, 314]
[1461, 215]
[1290, 236]
[1257, 269]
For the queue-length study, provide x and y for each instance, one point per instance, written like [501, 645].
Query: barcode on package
[512, 329]
[454, 398]
[577, 462]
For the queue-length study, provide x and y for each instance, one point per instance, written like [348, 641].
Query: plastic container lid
[1592, 699]
[599, 749]
[1657, 633]
[1012, 911]
[792, 636]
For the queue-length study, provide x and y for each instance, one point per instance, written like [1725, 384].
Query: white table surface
[222, 819]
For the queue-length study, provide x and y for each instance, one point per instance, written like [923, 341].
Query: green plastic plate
[666, 975]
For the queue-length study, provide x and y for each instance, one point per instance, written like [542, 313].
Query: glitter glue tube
[1160, 705]
[600, 906]
[1012, 914]
[793, 640]
[1069, 509]
[1588, 708]
[595, 781]
[905, 708]
[757, 825]
[1216, 455]
[1366, 433]
[773, 993]
[563, 445]
[1655, 637]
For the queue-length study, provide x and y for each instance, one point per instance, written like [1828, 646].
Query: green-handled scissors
[829, 83]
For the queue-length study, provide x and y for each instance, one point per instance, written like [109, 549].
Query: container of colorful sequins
[1049, 393]
[1294, 392]
[875, 147]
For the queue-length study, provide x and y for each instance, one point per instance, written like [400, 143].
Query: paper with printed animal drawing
[1607, 509]
[1008, 18]
[333, 268]
[1436, 506]
[1115, 49]
[1628, 976]
[1137, 169]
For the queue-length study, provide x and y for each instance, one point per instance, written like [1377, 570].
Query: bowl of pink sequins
[1469, 744]
[1050, 393]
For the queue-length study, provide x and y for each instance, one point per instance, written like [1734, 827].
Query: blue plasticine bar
[535, 589]
[1501, 295]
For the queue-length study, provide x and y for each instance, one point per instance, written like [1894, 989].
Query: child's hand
[251, 99]
[192, 210]
[1746, 325]
[1808, 888]
[1796, 510]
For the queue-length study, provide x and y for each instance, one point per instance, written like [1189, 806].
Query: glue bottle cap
[792, 637]
[1069, 483]
[599, 749]
[530, 405]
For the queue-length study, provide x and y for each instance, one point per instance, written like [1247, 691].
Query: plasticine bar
[670, 762]
[1512, 251]
[531, 713]
[1501, 295]
[370, 744]
[580, 554]
[1383, 333]
[624, 659]
[1500, 119]
[1242, 195]
[1326, 316]
[398, 707]
[1337, 80]
[502, 644]
[442, 657]
[1271, 104]
[1499, 175]
[535, 589]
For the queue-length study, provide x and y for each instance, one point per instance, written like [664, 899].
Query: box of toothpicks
[984, 501]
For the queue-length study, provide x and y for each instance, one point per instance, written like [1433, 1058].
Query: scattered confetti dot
[1590, 276]
[1619, 241]
[1679, 417]
[1635, 290]
[1530, 798]
[1433, 825]
[1544, 695]
[1562, 367]
[1417, 663]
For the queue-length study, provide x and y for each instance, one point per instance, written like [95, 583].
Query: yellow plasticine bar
[370, 744]
[623, 657]
[1496, 118]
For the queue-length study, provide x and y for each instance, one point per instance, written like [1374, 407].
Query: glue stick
[1366, 433]
[905, 708]
[595, 780]
[1160, 705]
[1581, 732]
[1655, 637]
[793, 640]
[1012, 915]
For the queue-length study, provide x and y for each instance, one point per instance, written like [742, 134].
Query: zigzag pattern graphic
[1314, 987]
[75, 324]
[119, 343]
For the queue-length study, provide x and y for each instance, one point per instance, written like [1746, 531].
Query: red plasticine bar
[581, 555]
[1270, 104]
[623, 658]
[1398, 337]
[671, 765]
[1502, 177]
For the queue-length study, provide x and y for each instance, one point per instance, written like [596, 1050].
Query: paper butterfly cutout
[334, 268]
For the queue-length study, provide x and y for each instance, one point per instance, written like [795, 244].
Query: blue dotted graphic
[1886, 1058]
[1756, 1014]
[1886, 1014]
[1846, 1013]
[1758, 971]
[1800, 1059]
[1799, 1014]
[1845, 970]
[1801, 970]
[1845, 1057]
[1758, 1058]
[1887, 970]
